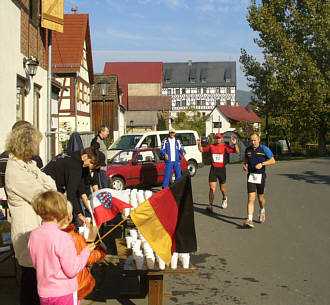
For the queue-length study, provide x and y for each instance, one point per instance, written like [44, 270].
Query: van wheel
[117, 183]
[192, 167]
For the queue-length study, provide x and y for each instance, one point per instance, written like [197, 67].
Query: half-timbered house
[73, 69]
[199, 85]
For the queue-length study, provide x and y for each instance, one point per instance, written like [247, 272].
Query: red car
[138, 167]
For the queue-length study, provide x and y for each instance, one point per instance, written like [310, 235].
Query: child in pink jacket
[53, 252]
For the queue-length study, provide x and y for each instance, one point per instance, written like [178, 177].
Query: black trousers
[29, 293]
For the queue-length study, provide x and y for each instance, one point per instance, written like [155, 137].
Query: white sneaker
[224, 203]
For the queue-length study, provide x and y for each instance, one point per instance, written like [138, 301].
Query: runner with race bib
[218, 152]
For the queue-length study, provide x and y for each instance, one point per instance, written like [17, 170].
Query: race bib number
[217, 158]
[255, 178]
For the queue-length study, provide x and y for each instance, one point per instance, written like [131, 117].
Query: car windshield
[123, 157]
[126, 142]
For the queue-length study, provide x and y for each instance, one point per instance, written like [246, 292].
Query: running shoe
[248, 223]
[209, 208]
[224, 203]
[262, 217]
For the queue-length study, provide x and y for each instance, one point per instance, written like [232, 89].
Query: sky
[168, 31]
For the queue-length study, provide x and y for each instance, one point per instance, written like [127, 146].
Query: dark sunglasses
[218, 138]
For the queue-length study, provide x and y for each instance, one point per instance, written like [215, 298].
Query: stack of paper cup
[129, 240]
[136, 252]
[147, 194]
[174, 260]
[140, 197]
[139, 261]
[150, 258]
[185, 258]
[161, 263]
[136, 244]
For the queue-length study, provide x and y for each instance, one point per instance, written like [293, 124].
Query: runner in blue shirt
[257, 156]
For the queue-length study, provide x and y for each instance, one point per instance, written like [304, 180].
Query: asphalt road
[285, 261]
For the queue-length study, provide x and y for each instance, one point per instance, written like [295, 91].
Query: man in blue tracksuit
[171, 149]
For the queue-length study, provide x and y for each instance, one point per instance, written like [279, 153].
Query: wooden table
[151, 281]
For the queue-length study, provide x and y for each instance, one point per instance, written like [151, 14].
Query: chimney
[236, 104]
[189, 62]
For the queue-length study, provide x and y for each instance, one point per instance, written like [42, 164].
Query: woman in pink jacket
[53, 252]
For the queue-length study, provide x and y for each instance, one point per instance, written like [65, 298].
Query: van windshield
[126, 142]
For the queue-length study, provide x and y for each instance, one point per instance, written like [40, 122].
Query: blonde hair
[66, 220]
[23, 142]
[51, 205]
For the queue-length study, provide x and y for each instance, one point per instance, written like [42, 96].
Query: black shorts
[217, 173]
[255, 187]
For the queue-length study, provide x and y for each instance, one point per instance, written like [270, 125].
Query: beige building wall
[143, 89]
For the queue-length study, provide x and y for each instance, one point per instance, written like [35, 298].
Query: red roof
[239, 114]
[68, 46]
[134, 72]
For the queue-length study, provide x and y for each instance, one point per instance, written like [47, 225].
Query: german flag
[166, 220]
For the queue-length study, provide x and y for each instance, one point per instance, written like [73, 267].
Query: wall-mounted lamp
[104, 86]
[31, 64]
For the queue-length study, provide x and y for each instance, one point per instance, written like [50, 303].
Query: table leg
[155, 295]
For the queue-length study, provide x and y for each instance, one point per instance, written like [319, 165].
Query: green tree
[161, 125]
[292, 82]
[191, 119]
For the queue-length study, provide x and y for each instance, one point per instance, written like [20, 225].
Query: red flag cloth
[107, 203]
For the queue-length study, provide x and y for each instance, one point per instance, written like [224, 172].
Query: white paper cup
[129, 240]
[136, 243]
[174, 260]
[147, 194]
[139, 261]
[161, 264]
[185, 260]
[136, 253]
[150, 262]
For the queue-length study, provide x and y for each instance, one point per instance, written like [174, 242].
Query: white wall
[10, 55]
[217, 116]
[10, 23]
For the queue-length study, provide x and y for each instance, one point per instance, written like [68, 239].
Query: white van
[154, 139]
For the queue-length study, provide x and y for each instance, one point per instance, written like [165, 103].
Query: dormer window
[203, 75]
[192, 75]
[168, 75]
[227, 75]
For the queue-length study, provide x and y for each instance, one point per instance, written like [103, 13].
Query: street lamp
[104, 85]
[31, 64]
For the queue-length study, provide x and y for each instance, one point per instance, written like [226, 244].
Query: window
[228, 102]
[218, 102]
[183, 103]
[187, 139]
[217, 90]
[20, 99]
[199, 90]
[169, 91]
[228, 90]
[177, 104]
[177, 91]
[217, 124]
[36, 98]
[203, 102]
[150, 141]
[204, 90]
[183, 91]
[198, 103]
